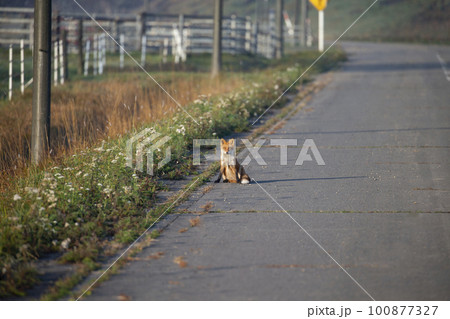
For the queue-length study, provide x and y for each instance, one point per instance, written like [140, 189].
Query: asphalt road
[378, 208]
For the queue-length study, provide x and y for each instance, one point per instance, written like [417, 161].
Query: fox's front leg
[221, 173]
[238, 180]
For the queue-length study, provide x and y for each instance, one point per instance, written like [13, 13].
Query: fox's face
[227, 148]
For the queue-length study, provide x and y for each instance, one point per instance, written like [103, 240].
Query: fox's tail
[245, 179]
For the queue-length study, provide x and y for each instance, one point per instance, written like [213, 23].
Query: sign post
[321, 25]
[320, 5]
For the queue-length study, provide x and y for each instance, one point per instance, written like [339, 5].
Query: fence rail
[240, 34]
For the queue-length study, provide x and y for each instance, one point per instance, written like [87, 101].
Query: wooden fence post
[22, 67]
[181, 28]
[302, 23]
[103, 50]
[61, 62]
[255, 38]
[95, 54]
[122, 44]
[248, 34]
[31, 36]
[57, 25]
[165, 52]
[233, 34]
[140, 29]
[86, 57]
[10, 72]
[217, 41]
[279, 37]
[271, 36]
[80, 47]
[99, 53]
[65, 62]
[115, 33]
[55, 63]
[143, 50]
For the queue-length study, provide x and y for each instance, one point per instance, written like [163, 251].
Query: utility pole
[40, 132]
[279, 23]
[217, 44]
[302, 22]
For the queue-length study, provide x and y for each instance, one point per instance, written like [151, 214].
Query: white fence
[176, 35]
[240, 35]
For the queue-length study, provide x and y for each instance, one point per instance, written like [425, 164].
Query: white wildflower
[17, 197]
[65, 243]
[127, 189]
[31, 190]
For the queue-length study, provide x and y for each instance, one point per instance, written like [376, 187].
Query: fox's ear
[231, 141]
[222, 141]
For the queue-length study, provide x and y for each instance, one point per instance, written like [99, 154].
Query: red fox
[230, 169]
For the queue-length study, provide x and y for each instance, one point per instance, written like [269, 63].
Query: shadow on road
[309, 179]
[374, 131]
[394, 67]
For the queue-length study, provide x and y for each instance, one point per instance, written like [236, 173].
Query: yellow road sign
[319, 4]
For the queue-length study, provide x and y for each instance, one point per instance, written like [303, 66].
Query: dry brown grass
[85, 111]
[194, 221]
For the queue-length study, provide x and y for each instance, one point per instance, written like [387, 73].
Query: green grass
[92, 198]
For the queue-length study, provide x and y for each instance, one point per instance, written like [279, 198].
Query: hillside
[388, 20]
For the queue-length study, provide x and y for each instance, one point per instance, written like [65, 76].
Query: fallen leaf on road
[194, 221]
[123, 297]
[180, 261]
